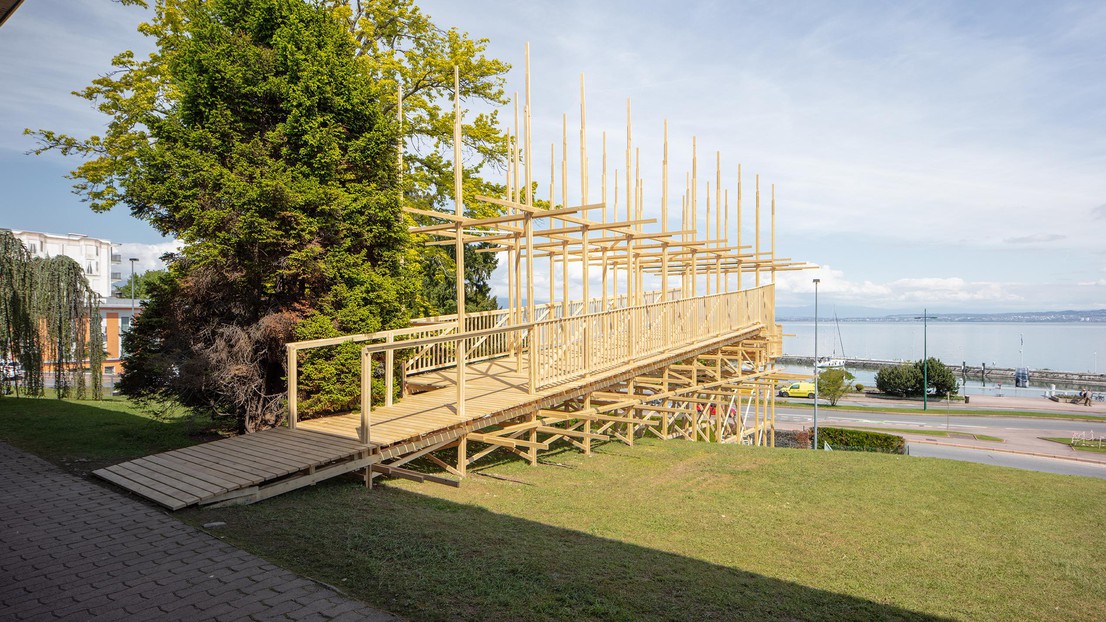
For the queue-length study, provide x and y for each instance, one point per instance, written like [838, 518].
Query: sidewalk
[70, 549]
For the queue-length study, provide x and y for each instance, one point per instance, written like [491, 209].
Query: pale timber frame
[573, 342]
[681, 361]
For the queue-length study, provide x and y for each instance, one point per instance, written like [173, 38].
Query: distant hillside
[1093, 315]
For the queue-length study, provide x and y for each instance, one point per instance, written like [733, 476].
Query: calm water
[1065, 347]
[1068, 347]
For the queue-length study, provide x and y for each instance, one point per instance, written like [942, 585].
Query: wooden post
[587, 427]
[389, 373]
[740, 252]
[366, 395]
[462, 455]
[293, 389]
[459, 247]
[529, 232]
[756, 247]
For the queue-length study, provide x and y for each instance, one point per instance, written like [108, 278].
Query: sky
[940, 155]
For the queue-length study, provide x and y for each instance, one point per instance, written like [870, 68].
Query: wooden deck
[249, 468]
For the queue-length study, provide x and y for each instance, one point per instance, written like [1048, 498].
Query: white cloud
[148, 255]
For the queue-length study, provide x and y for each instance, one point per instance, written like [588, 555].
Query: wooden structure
[677, 343]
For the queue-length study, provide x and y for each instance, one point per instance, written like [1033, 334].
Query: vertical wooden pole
[740, 251]
[694, 207]
[463, 455]
[664, 222]
[366, 395]
[564, 202]
[389, 373]
[773, 248]
[587, 426]
[726, 241]
[529, 232]
[756, 247]
[293, 389]
[708, 237]
[459, 247]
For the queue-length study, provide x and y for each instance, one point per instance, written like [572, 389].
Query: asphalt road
[1020, 434]
[976, 425]
[1017, 461]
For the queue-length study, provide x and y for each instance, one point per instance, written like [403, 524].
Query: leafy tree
[901, 380]
[253, 135]
[142, 284]
[404, 49]
[48, 312]
[941, 378]
[834, 383]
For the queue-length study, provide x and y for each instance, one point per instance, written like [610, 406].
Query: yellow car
[798, 389]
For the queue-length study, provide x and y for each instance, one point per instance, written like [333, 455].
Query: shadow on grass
[82, 436]
[431, 559]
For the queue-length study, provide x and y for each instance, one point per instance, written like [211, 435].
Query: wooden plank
[140, 489]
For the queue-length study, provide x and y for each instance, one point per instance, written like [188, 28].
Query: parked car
[798, 389]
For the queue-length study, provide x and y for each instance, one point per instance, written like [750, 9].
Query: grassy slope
[690, 531]
[660, 531]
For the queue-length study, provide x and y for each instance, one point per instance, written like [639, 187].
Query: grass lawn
[1080, 445]
[84, 435]
[684, 531]
[658, 531]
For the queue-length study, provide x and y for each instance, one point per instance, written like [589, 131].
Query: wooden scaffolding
[678, 343]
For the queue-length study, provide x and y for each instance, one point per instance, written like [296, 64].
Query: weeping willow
[48, 315]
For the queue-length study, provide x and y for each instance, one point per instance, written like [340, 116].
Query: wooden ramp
[240, 469]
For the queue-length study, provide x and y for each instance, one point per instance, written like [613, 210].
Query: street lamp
[925, 357]
[132, 260]
[816, 282]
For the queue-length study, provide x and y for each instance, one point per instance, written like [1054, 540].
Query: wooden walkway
[256, 466]
[277, 460]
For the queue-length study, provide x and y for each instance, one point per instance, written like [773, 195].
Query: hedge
[861, 440]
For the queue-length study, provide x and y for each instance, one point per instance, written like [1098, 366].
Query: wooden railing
[556, 349]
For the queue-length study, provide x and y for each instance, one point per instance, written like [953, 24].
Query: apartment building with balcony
[101, 262]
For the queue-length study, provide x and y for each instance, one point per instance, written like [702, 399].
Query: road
[1017, 461]
[1021, 436]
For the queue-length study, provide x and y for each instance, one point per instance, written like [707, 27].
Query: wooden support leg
[533, 452]
[462, 455]
[587, 427]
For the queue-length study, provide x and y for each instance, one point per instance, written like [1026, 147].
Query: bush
[859, 387]
[902, 380]
[861, 440]
[908, 379]
[941, 378]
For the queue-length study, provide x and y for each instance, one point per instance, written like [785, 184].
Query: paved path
[70, 549]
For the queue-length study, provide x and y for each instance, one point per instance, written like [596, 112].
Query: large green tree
[406, 51]
[255, 136]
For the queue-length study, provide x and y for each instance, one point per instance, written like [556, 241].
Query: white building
[99, 259]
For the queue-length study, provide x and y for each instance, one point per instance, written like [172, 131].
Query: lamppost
[816, 282]
[925, 357]
[132, 260]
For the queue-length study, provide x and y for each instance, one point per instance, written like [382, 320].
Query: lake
[1071, 346]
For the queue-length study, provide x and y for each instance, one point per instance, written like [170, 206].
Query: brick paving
[70, 549]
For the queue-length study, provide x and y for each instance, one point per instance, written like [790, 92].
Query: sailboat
[833, 361]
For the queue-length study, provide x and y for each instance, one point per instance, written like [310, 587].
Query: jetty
[680, 342]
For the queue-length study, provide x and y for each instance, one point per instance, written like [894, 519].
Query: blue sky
[948, 155]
